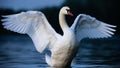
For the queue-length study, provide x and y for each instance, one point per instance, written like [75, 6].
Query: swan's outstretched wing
[86, 26]
[34, 24]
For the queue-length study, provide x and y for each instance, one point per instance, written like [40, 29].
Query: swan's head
[66, 11]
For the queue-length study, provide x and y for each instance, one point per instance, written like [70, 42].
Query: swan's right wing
[86, 26]
[34, 24]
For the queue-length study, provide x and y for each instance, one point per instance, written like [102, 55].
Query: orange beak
[70, 13]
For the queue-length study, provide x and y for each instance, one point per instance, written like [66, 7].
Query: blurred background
[17, 51]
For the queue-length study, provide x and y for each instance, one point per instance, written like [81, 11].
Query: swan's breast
[64, 51]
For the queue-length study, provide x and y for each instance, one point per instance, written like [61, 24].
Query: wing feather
[34, 24]
[86, 26]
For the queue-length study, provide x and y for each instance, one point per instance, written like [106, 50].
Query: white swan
[63, 48]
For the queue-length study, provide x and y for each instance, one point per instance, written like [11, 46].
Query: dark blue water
[18, 51]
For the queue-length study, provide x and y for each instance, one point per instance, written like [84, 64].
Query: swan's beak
[70, 13]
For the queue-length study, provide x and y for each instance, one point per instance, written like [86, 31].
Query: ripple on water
[21, 53]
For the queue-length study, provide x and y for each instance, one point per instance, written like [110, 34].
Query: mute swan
[63, 48]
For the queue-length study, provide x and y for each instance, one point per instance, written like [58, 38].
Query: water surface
[18, 51]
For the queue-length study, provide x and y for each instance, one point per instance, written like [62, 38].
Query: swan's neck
[63, 23]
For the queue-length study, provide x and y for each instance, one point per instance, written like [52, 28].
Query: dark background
[104, 10]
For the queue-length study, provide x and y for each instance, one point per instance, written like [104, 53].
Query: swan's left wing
[35, 24]
[86, 26]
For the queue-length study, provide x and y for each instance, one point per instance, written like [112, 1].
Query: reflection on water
[19, 52]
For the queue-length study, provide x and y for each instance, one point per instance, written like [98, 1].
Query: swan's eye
[67, 10]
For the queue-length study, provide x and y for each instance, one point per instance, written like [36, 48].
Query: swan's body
[63, 48]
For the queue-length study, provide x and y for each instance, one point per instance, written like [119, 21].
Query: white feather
[34, 24]
[86, 26]
[48, 59]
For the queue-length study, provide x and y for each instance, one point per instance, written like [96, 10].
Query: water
[19, 52]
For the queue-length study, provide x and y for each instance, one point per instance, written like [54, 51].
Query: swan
[63, 47]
